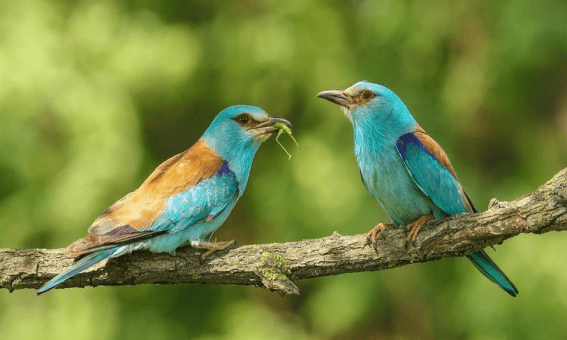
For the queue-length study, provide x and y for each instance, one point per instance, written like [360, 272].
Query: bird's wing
[185, 189]
[203, 202]
[432, 172]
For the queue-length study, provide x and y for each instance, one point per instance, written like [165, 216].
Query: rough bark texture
[276, 266]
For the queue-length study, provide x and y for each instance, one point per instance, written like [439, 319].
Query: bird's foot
[414, 228]
[212, 247]
[376, 232]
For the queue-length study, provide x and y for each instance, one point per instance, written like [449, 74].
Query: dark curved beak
[267, 126]
[336, 96]
[277, 119]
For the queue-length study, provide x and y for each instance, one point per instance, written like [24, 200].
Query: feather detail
[126, 219]
[434, 149]
[114, 237]
[77, 267]
[182, 171]
[439, 154]
[431, 170]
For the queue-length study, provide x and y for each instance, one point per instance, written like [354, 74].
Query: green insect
[281, 129]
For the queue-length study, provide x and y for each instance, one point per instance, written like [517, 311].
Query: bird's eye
[366, 95]
[243, 119]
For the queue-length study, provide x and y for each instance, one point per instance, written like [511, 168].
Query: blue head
[375, 111]
[236, 134]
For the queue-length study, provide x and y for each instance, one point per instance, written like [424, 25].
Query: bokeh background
[95, 94]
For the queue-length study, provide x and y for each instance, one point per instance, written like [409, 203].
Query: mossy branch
[276, 266]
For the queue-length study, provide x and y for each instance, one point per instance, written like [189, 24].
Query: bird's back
[131, 217]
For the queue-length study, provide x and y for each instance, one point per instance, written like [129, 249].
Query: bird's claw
[414, 228]
[213, 246]
[375, 233]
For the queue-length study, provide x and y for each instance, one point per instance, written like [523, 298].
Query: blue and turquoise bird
[404, 168]
[184, 200]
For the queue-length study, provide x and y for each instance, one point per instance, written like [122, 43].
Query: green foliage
[94, 95]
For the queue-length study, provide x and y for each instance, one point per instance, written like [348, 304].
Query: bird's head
[366, 103]
[238, 131]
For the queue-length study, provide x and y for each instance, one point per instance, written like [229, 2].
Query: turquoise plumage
[184, 200]
[404, 168]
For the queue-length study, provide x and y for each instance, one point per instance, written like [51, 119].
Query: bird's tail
[77, 267]
[489, 269]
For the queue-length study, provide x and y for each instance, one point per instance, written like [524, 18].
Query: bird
[405, 169]
[184, 200]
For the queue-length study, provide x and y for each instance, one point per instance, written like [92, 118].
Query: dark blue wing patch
[410, 138]
[224, 169]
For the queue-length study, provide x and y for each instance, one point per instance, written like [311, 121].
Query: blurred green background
[94, 95]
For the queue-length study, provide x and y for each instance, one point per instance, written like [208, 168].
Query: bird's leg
[416, 225]
[212, 246]
[377, 232]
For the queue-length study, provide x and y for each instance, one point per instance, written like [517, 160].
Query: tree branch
[276, 266]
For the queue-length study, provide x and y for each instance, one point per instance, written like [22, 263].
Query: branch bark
[276, 266]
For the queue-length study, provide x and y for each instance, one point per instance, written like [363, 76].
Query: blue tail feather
[488, 268]
[77, 267]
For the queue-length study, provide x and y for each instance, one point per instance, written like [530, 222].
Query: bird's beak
[267, 127]
[338, 97]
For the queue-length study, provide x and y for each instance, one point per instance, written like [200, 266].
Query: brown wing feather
[139, 209]
[435, 149]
